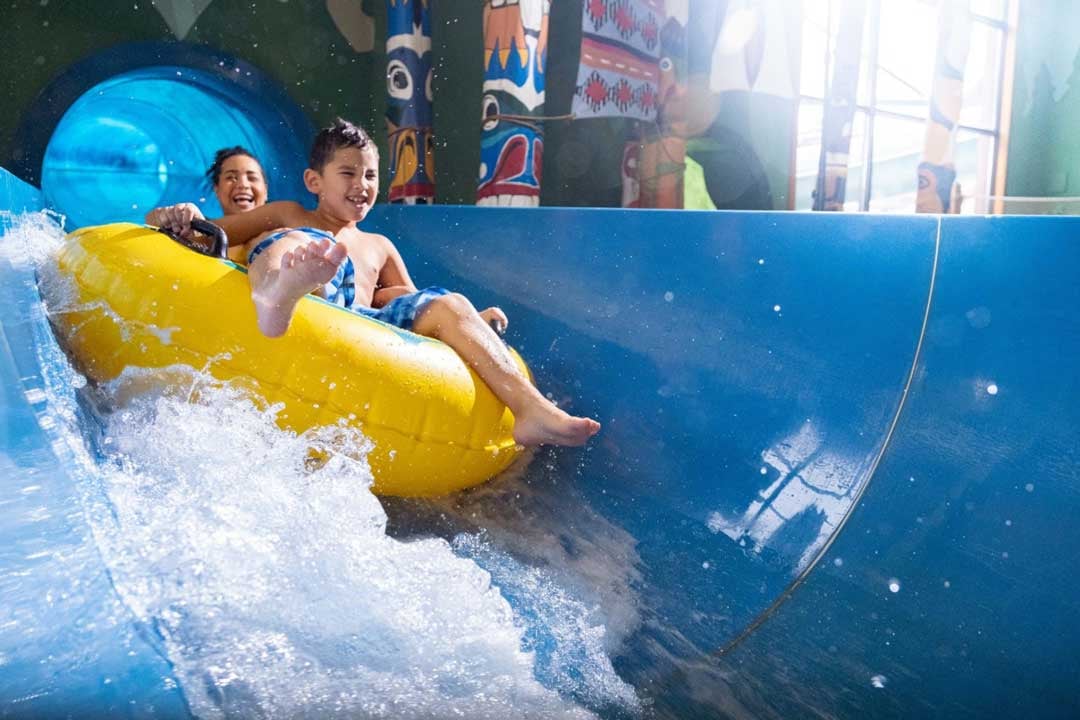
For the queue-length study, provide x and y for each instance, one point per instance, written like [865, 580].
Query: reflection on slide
[796, 514]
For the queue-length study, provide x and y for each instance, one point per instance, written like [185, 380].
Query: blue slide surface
[63, 652]
[844, 448]
[846, 445]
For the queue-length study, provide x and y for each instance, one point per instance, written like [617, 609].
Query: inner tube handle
[220, 248]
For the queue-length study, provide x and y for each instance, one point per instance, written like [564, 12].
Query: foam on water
[269, 579]
[277, 589]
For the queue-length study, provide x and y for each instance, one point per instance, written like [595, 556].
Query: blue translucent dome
[146, 137]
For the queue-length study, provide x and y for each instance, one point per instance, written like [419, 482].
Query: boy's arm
[385, 294]
[393, 273]
[244, 226]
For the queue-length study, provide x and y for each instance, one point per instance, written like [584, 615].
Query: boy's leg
[290, 268]
[453, 319]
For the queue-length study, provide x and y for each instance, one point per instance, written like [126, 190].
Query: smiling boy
[293, 251]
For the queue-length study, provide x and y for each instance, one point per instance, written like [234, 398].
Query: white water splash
[269, 580]
[275, 586]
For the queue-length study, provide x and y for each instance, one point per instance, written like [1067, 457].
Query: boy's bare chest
[367, 259]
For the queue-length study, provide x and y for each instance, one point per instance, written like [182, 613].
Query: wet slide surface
[837, 473]
[67, 644]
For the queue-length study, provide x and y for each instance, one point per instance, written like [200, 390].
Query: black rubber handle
[220, 248]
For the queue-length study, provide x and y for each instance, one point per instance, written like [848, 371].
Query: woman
[238, 182]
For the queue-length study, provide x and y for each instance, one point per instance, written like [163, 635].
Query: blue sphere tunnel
[142, 133]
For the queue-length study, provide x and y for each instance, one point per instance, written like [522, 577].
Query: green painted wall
[296, 43]
[38, 41]
[1044, 142]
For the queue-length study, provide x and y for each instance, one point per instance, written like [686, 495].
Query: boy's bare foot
[548, 425]
[302, 270]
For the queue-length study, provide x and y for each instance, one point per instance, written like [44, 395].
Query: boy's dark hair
[342, 134]
[213, 173]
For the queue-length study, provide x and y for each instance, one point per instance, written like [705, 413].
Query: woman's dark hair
[342, 134]
[213, 174]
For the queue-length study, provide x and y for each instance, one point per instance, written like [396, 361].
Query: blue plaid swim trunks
[402, 311]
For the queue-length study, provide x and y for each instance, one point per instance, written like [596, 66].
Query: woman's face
[241, 186]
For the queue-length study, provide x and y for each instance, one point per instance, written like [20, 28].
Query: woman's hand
[175, 218]
[496, 318]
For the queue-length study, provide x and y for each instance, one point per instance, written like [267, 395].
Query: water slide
[837, 475]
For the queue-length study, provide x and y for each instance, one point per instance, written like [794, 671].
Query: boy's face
[348, 184]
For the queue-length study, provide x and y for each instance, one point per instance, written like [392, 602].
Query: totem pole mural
[937, 173]
[839, 112]
[619, 75]
[409, 112]
[512, 132]
[619, 72]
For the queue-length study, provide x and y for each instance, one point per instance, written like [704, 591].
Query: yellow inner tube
[139, 299]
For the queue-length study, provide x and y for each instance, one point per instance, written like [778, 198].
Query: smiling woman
[238, 180]
[239, 185]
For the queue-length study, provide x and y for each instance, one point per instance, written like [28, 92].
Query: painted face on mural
[411, 164]
[511, 155]
[409, 113]
[511, 145]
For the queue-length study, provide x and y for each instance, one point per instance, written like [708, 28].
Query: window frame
[998, 133]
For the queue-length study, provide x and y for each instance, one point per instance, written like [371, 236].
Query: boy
[292, 252]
